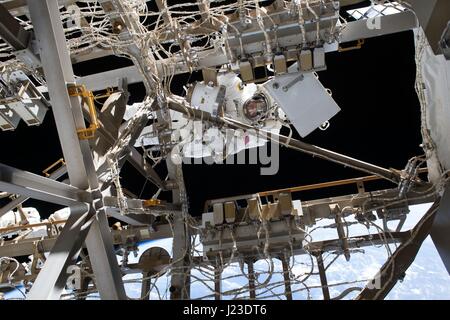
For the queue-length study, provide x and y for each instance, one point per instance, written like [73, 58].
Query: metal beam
[401, 259]
[115, 213]
[180, 280]
[423, 10]
[217, 280]
[26, 247]
[433, 16]
[145, 286]
[327, 184]
[323, 276]
[389, 24]
[58, 73]
[108, 276]
[138, 162]
[287, 279]
[251, 279]
[11, 31]
[52, 278]
[106, 131]
[108, 79]
[37, 187]
[57, 68]
[355, 30]
[441, 229]
[21, 199]
[67, 110]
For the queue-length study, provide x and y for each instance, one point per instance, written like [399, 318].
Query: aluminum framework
[68, 116]
[87, 225]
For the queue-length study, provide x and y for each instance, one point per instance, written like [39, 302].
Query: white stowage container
[319, 58]
[207, 218]
[13, 217]
[205, 97]
[9, 120]
[218, 214]
[298, 209]
[62, 214]
[32, 215]
[306, 63]
[9, 219]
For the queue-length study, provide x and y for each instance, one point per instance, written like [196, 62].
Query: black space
[379, 123]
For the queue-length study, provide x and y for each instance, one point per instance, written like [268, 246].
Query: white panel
[306, 63]
[297, 204]
[147, 137]
[218, 214]
[207, 217]
[9, 120]
[436, 78]
[304, 100]
[319, 58]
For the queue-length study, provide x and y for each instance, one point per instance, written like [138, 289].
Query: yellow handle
[88, 98]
